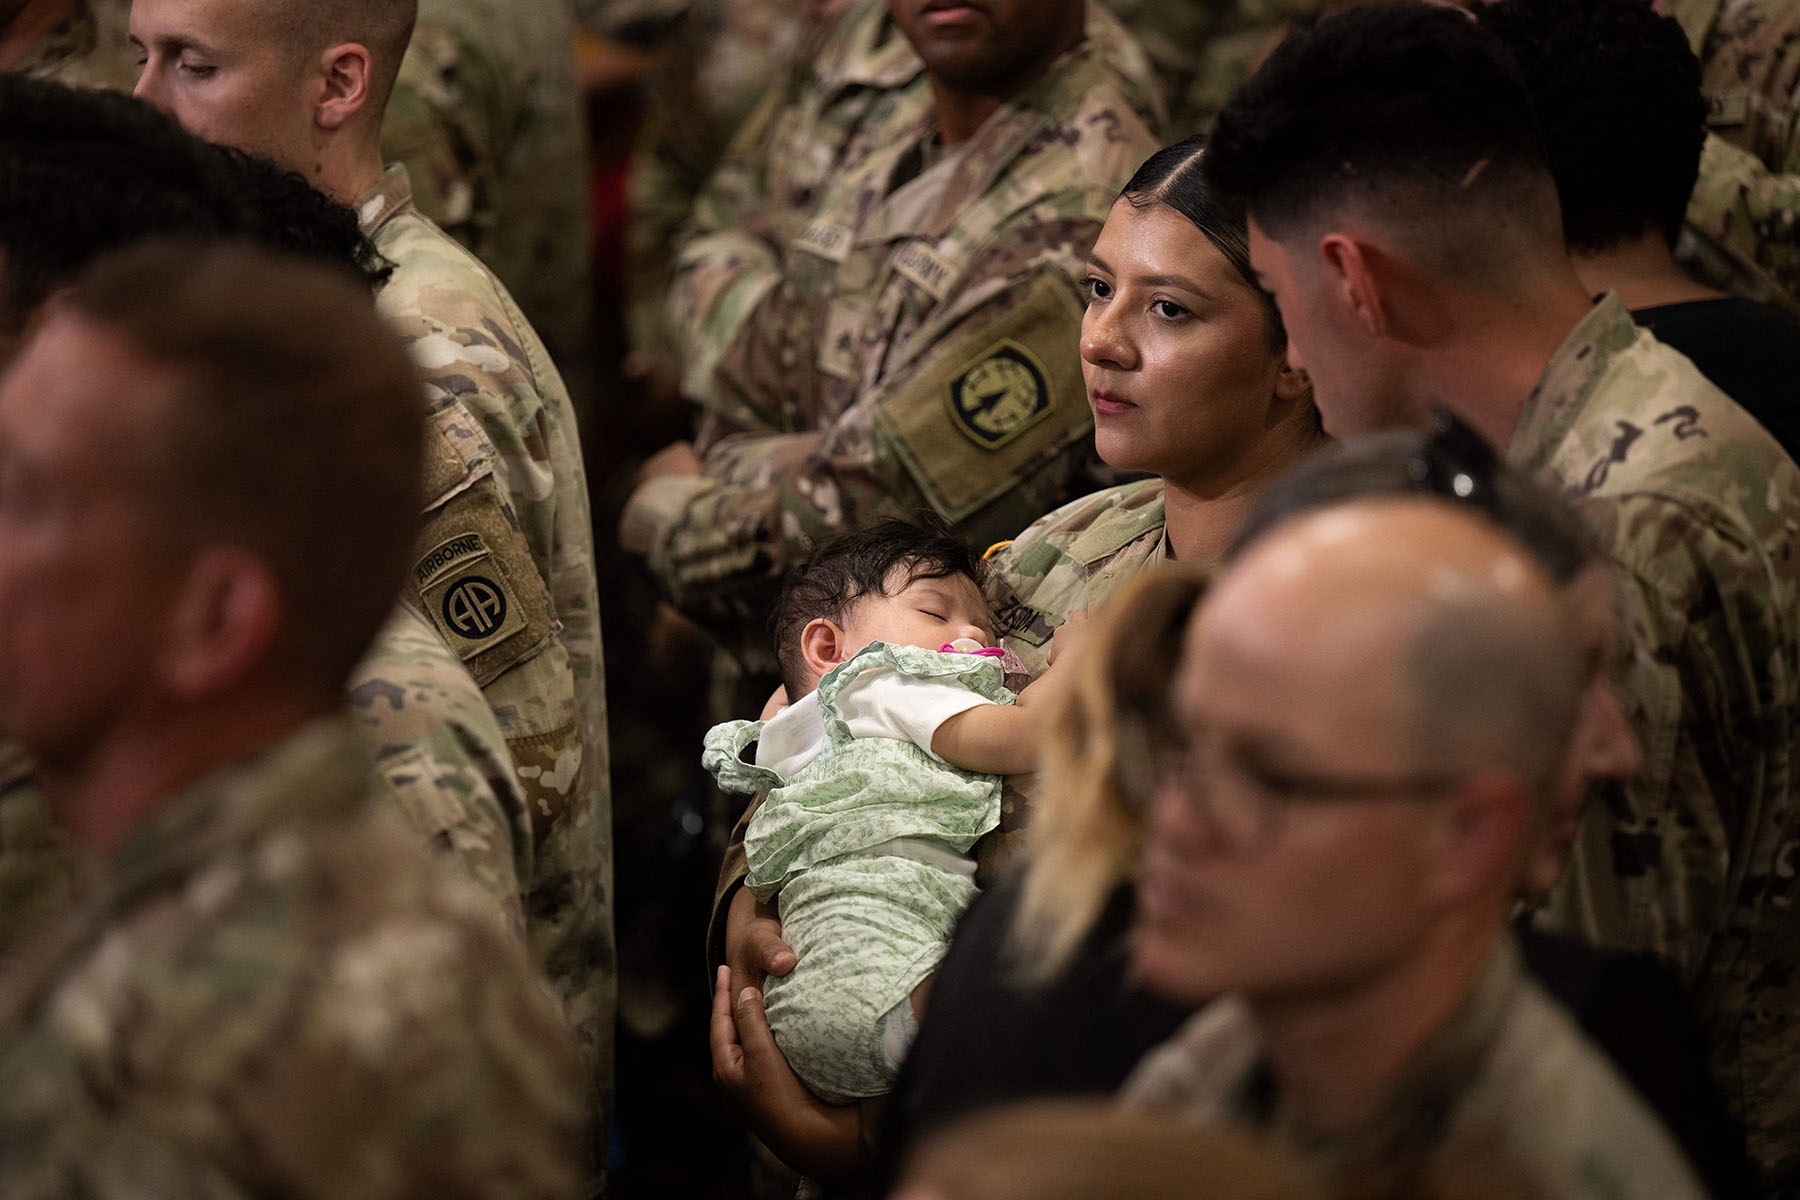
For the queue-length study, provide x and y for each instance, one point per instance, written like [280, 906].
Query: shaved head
[1462, 641]
[384, 27]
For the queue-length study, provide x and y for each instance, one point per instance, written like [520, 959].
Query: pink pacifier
[971, 646]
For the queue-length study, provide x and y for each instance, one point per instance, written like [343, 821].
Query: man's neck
[104, 794]
[1487, 369]
[1337, 1058]
[1644, 273]
[346, 168]
[21, 25]
[1201, 515]
[961, 112]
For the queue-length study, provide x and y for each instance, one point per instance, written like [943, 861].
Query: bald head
[1432, 631]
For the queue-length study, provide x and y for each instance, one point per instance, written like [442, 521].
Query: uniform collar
[1569, 379]
[931, 207]
[1413, 1117]
[877, 55]
[384, 199]
[1141, 515]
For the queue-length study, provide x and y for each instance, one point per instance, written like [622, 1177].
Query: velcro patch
[826, 240]
[925, 267]
[467, 595]
[989, 404]
[1000, 395]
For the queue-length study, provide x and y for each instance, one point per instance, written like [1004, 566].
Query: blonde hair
[1085, 829]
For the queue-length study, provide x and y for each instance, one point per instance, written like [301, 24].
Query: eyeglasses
[1456, 463]
[1244, 797]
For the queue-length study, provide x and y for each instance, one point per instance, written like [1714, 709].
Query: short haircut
[383, 27]
[1173, 176]
[1406, 113]
[859, 563]
[1617, 91]
[84, 173]
[294, 430]
[1381, 464]
[1492, 687]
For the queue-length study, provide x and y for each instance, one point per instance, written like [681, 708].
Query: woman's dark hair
[1172, 176]
[859, 563]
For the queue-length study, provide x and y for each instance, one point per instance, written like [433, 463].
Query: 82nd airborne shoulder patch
[1000, 395]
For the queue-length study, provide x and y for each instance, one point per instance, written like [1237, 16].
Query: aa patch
[467, 595]
[1000, 396]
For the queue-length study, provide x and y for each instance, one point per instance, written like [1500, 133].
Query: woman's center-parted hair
[1173, 177]
[863, 562]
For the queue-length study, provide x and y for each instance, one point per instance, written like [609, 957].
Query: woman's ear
[822, 646]
[1292, 384]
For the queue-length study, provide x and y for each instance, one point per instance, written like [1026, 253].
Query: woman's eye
[1097, 289]
[196, 70]
[1169, 310]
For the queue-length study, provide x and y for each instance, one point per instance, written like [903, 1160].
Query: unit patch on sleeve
[467, 594]
[1000, 396]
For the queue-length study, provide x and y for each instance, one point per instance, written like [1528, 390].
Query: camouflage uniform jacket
[90, 49]
[1743, 221]
[521, 612]
[488, 118]
[1697, 858]
[268, 989]
[1203, 49]
[722, 58]
[1072, 560]
[1509, 1084]
[917, 347]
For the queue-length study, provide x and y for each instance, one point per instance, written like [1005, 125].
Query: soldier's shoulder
[1086, 529]
[1554, 1105]
[433, 270]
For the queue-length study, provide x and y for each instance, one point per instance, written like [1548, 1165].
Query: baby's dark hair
[845, 568]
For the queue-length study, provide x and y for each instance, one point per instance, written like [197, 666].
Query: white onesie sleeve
[882, 702]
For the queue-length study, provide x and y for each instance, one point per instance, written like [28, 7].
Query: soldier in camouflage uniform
[488, 119]
[1695, 859]
[83, 42]
[506, 573]
[1743, 230]
[894, 325]
[261, 984]
[131, 173]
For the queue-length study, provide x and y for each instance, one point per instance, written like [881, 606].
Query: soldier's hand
[817, 1139]
[677, 458]
[753, 945]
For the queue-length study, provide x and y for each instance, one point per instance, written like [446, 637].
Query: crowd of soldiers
[307, 771]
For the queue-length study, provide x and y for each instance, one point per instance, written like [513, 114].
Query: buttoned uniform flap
[475, 579]
[992, 400]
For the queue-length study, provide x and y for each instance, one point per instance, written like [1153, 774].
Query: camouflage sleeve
[986, 425]
[440, 759]
[1743, 226]
[1656, 865]
[725, 259]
